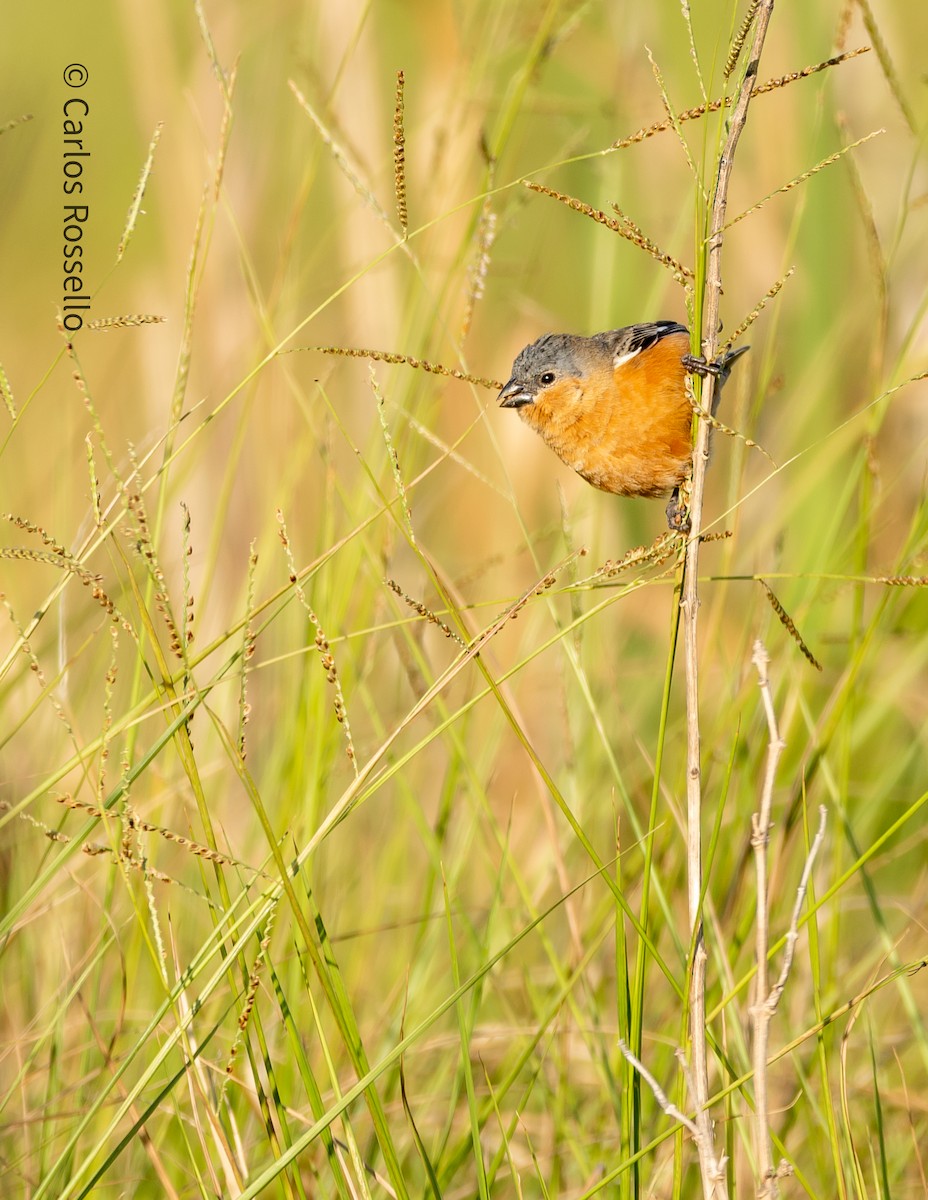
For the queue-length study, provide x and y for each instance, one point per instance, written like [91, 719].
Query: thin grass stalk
[690, 604]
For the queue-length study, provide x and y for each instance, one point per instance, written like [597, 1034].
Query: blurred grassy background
[263, 230]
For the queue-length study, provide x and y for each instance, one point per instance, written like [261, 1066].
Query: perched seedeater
[614, 406]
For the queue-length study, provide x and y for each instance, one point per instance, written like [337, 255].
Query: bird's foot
[678, 513]
[696, 364]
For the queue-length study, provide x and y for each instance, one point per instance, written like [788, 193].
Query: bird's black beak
[514, 395]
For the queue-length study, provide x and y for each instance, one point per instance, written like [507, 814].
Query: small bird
[614, 406]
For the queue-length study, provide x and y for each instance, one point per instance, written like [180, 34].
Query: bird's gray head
[539, 365]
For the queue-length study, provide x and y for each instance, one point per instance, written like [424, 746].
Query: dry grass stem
[209, 44]
[792, 935]
[666, 1106]
[760, 834]
[768, 1000]
[711, 1183]
[35, 667]
[712, 1168]
[701, 110]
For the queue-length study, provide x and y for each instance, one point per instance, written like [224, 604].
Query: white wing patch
[624, 358]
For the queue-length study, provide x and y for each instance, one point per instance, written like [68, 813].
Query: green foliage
[315, 884]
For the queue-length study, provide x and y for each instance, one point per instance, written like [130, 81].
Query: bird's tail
[725, 363]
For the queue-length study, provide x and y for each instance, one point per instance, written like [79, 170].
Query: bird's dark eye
[548, 377]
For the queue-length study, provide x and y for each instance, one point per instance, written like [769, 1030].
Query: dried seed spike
[511, 612]
[31, 527]
[694, 56]
[844, 24]
[789, 625]
[636, 235]
[740, 38]
[342, 160]
[16, 121]
[663, 546]
[187, 607]
[66, 562]
[903, 580]
[756, 311]
[688, 114]
[624, 226]
[419, 364]
[135, 823]
[692, 114]
[479, 266]
[7, 392]
[394, 459]
[714, 423]
[886, 63]
[94, 485]
[399, 154]
[36, 667]
[248, 649]
[103, 324]
[788, 187]
[779, 81]
[135, 206]
[675, 125]
[424, 612]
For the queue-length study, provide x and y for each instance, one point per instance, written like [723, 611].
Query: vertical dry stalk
[760, 832]
[690, 604]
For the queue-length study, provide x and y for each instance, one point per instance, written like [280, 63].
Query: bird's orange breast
[625, 430]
